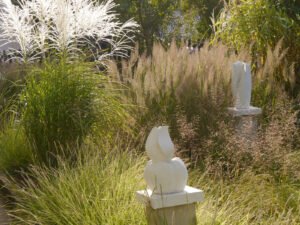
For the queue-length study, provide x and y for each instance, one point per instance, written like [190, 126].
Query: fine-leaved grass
[63, 103]
[101, 190]
[15, 151]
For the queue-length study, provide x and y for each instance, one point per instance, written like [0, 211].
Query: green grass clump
[100, 190]
[249, 199]
[62, 104]
[15, 151]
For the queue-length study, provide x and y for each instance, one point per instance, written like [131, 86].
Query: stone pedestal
[177, 215]
[251, 111]
[171, 209]
[246, 121]
[167, 199]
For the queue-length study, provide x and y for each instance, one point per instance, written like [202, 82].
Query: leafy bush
[11, 84]
[257, 25]
[62, 104]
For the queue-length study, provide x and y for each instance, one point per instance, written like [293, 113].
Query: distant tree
[150, 15]
[260, 23]
[204, 9]
[165, 20]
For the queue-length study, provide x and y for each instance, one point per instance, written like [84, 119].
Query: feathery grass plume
[174, 86]
[67, 27]
[191, 93]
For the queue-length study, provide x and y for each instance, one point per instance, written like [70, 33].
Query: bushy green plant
[63, 103]
[274, 81]
[98, 190]
[11, 84]
[15, 151]
[257, 25]
[244, 22]
[64, 98]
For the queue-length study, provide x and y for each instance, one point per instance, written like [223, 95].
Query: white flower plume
[65, 26]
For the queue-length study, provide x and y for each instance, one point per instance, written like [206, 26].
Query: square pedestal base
[156, 201]
[177, 215]
[246, 122]
[251, 111]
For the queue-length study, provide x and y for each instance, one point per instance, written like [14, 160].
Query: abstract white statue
[241, 84]
[168, 199]
[164, 174]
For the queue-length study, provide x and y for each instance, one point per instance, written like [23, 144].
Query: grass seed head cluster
[41, 27]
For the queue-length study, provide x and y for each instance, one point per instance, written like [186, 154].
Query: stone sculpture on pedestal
[241, 85]
[244, 113]
[164, 174]
[168, 199]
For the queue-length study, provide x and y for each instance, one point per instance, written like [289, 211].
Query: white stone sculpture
[241, 85]
[164, 173]
[168, 199]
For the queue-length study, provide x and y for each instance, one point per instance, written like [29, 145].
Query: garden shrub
[258, 25]
[62, 104]
[247, 22]
[11, 84]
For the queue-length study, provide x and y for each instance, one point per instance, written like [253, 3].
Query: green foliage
[258, 24]
[150, 15]
[205, 9]
[58, 106]
[244, 183]
[168, 19]
[99, 190]
[62, 104]
[15, 151]
[249, 199]
[11, 84]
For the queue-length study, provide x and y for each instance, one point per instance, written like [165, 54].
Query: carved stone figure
[241, 84]
[164, 174]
